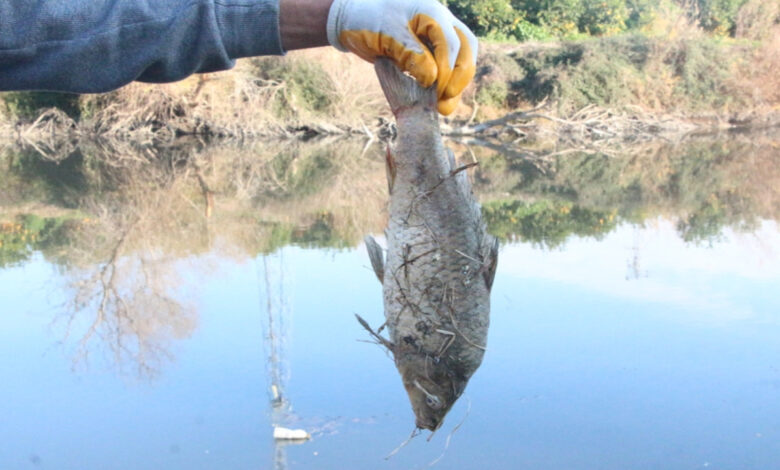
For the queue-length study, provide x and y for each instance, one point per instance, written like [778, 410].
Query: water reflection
[705, 185]
[274, 302]
[127, 305]
[118, 225]
[118, 219]
[328, 195]
[130, 235]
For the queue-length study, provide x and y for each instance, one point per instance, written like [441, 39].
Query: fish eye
[433, 402]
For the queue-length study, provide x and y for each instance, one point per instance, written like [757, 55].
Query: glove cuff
[335, 21]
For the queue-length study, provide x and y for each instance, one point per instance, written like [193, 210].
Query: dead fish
[440, 261]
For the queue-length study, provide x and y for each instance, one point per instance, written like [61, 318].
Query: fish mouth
[430, 425]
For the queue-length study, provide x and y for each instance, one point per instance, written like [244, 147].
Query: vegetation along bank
[593, 69]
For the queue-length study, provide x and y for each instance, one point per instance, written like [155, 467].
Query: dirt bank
[619, 88]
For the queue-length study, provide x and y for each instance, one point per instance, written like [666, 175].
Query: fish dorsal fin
[376, 256]
[490, 260]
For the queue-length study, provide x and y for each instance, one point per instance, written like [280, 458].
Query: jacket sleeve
[91, 46]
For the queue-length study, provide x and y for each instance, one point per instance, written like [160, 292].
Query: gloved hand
[421, 36]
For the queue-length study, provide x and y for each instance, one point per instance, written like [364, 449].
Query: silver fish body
[440, 261]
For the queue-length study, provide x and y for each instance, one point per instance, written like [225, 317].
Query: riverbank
[620, 88]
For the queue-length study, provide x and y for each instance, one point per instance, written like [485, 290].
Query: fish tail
[402, 91]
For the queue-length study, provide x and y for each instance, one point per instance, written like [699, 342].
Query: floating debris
[284, 434]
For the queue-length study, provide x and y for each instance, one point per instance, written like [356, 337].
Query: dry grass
[243, 102]
[356, 91]
[758, 20]
[761, 75]
[325, 92]
[223, 104]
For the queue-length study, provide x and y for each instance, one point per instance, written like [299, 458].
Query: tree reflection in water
[131, 303]
[126, 218]
[121, 219]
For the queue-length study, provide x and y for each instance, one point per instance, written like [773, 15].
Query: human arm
[303, 23]
[90, 46]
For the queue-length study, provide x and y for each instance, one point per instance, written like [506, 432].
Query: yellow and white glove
[421, 36]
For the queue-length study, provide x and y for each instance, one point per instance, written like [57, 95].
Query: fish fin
[384, 342]
[402, 91]
[490, 260]
[391, 169]
[376, 256]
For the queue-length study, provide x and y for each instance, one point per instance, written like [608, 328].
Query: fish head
[432, 390]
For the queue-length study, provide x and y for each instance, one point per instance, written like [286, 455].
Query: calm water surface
[630, 335]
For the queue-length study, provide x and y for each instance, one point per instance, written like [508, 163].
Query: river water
[169, 315]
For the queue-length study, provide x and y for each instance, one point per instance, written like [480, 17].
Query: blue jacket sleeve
[91, 46]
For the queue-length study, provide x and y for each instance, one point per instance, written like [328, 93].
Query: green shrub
[579, 74]
[718, 16]
[546, 223]
[486, 17]
[640, 13]
[704, 225]
[308, 86]
[27, 105]
[524, 30]
[541, 68]
[320, 232]
[561, 16]
[27, 233]
[493, 94]
[704, 69]
[603, 17]
[603, 73]
[301, 174]
[568, 18]
[618, 70]
[541, 19]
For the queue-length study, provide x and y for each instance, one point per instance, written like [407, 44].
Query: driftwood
[494, 127]
[590, 124]
[592, 129]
